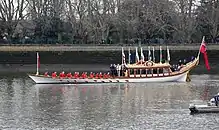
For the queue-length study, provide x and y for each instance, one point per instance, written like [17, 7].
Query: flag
[168, 54]
[203, 50]
[160, 54]
[123, 56]
[38, 60]
[149, 54]
[129, 56]
[153, 55]
[136, 55]
[142, 55]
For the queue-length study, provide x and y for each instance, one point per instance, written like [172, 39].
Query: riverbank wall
[54, 48]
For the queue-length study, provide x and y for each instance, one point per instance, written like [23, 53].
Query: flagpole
[153, 55]
[37, 72]
[149, 53]
[160, 54]
[142, 55]
[136, 55]
[203, 39]
[129, 56]
[122, 55]
[168, 54]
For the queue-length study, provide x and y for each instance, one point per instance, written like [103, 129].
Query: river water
[25, 105]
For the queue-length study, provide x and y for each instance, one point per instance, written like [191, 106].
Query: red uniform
[105, 76]
[97, 76]
[62, 75]
[100, 75]
[85, 75]
[108, 75]
[46, 74]
[54, 74]
[82, 75]
[91, 75]
[69, 75]
[76, 75]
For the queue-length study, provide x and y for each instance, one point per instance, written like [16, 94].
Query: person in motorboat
[214, 100]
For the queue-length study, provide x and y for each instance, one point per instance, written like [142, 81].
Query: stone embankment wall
[26, 48]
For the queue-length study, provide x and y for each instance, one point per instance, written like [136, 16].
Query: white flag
[136, 55]
[149, 54]
[129, 56]
[123, 56]
[153, 55]
[161, 55]
[168, 54]
[142, 55]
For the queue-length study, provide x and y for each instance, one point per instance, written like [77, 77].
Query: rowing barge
[142, 71]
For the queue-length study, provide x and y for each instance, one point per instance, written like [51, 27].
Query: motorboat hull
[203, 108]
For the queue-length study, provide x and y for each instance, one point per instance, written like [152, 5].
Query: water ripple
[24, 105]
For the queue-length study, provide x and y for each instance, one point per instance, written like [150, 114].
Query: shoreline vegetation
[83, 47]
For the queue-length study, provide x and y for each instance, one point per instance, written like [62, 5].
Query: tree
[11, 13]
[208, 18]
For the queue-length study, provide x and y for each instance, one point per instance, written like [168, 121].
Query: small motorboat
[210, 107]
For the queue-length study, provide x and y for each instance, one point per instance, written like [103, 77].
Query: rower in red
[100, 75]
[91, 75]
[46, 74]
[69, 75]
[85, 75]
[105, 76]
[62, 75]
[97, 76]
[54, 75]
[76, 75]
[108, 75]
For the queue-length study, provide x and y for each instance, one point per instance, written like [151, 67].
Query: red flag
[203, 50]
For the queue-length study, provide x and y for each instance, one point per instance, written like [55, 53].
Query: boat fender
[149, 63]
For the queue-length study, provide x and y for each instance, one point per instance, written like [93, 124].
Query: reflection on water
[25, 105]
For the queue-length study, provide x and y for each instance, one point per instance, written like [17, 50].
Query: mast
[136, 55]
[129, 56]
[123, 56]
[153, 55]
[142, 55]
[149, 54]
[160, 54]
[38, 63]
[203, 40]
[168, 54]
